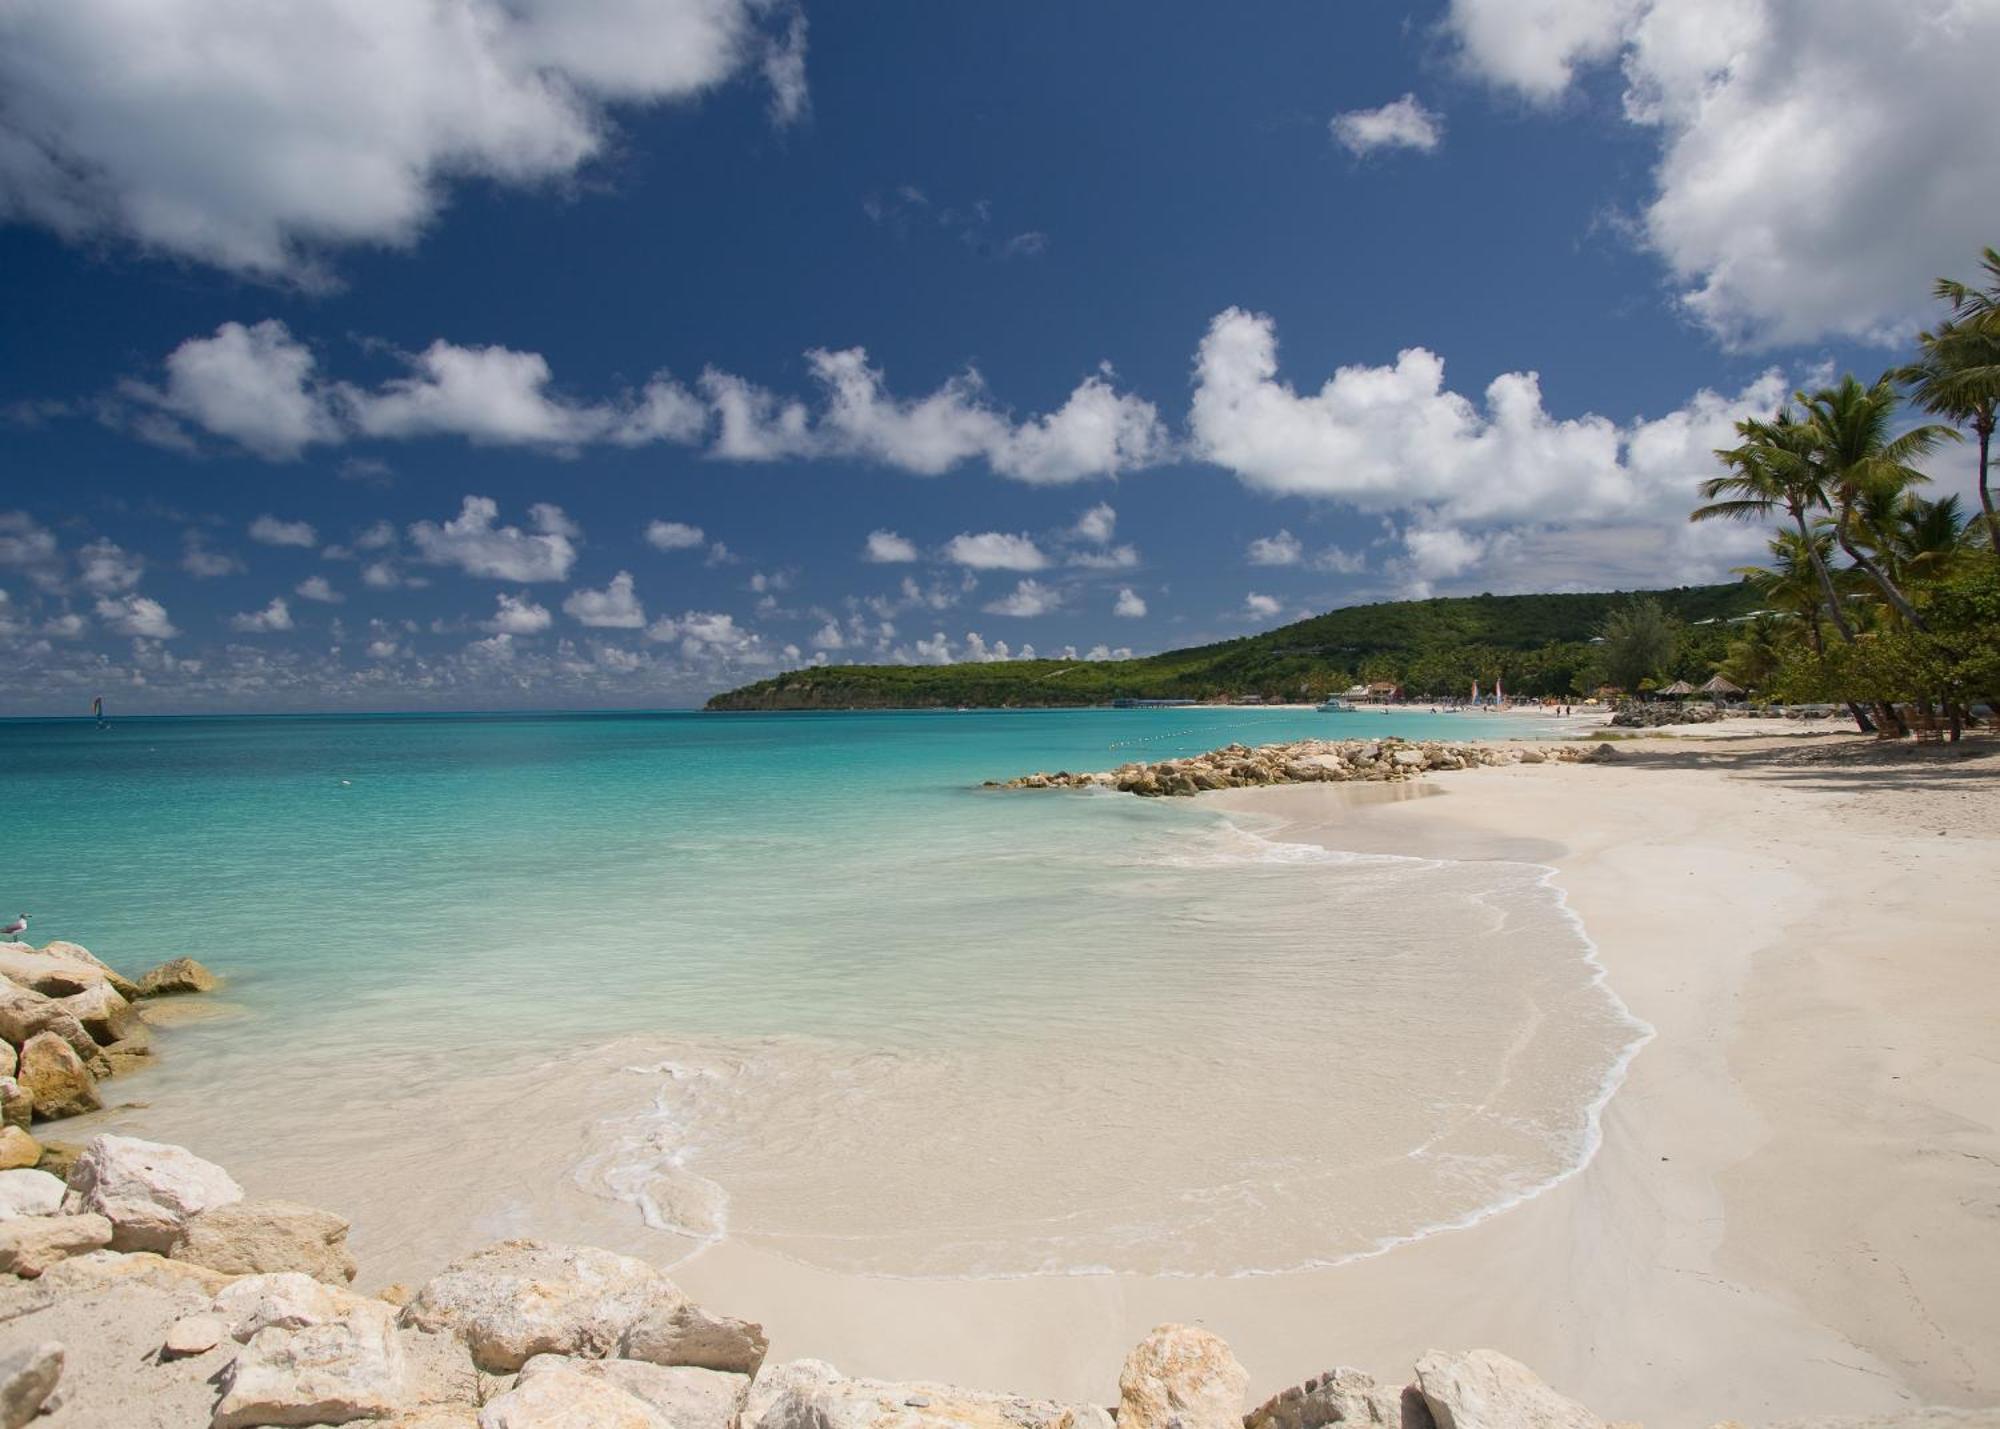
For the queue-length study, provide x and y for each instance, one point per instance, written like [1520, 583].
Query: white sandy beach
[1796, 1208]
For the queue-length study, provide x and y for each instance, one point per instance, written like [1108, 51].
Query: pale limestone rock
[27, 1192]
[77, 953]
[17, 1105]
[105, 1015]
[56, 1078]
[149, 1189]
[29, 1245]
[1483, 1389]
[254, 1237]
[810, 1394]
[283, 1299]
[10, 1060]
[334, 1372]
[1340, 1396]
[1180, 1377]
[27, 1378]
[687, 1398]
[193, 1335]
[686, 1334]
[178, 975]
[18, 1150]
[52, 976]
[25, 1012]
[522, 1298]
[567, 1399]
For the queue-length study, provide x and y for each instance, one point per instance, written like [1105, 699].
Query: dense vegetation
[1881, 597]
[1538, 644]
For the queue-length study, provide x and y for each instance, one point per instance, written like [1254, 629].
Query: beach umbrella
[1721, 688]
[1677, 688]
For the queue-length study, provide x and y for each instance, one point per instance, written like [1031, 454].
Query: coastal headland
[1789, 1214]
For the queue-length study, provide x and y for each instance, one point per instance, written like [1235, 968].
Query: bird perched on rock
[16, 928]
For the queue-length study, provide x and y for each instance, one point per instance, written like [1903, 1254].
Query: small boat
[1335, 705]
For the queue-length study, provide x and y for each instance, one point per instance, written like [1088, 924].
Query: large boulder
[333, 1372]
[24, 1013]
[27, 1378]
[1340, 1396]
[105, 1015]
[285, 1300]
[175, 976]
[29, 1193]
[686, 1334]
[148, 1189]
[522, 1298]
[18, 1150]
[1181, 1377]
[1483, 1389]
[810, 1394]
[77, 953]
[53, 976]
[254, 1237]
[57, 1079]
[29, 1245]
[686, 1398]
[566, 1398]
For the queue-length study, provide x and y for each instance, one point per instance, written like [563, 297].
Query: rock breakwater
[1306, 761]
[69, 1021]
[161, 1296]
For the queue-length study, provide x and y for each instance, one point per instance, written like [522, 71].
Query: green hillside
[1538, 644]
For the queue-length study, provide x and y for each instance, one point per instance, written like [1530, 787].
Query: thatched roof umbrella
[1721, 689]
[1678, 689]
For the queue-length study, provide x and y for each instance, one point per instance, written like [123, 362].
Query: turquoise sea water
[823, 915]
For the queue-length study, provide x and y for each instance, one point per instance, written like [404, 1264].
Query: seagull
[16, 928]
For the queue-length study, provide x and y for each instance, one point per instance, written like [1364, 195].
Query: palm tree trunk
[1983, 426]
[1831, 596]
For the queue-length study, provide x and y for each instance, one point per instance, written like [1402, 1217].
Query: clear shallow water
[889, 1022]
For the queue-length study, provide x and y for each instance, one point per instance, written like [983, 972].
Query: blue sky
[612, 353]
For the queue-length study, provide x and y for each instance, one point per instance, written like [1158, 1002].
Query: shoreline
[1674, 1277]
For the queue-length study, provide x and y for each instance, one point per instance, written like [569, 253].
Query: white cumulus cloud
[270, 531]
[1260, 606]
[136, 615]
[995, 551]
[518, 615]
[1130, 604]
[1400, 124]
[272, 619]
[1028, 598]
[1283, 549]
[1820, 161]
[615, 607]
[673, 536]
[258, 138]
[477, 545]
[887, 548]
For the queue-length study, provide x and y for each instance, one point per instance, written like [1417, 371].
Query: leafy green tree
[1639, 641]
[1957, 372]
[1860, 463]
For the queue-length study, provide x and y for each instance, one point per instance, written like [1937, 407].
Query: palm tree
[1927, 538]
[1791, 582]
[1773, 470]
[1957, 376]
[1860, 464]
